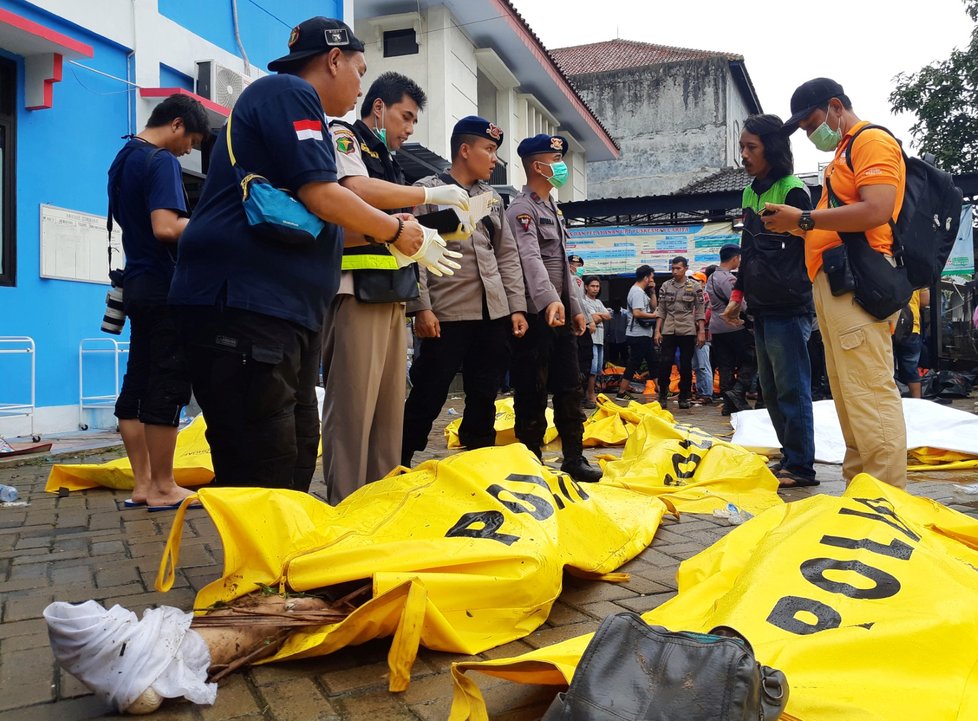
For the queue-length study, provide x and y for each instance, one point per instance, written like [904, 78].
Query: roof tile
[621, 54]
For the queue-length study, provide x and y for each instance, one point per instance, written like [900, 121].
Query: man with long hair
[774, 282]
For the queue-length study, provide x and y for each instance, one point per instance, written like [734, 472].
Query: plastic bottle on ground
[8, 494]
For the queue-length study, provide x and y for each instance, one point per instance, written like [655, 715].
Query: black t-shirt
[144, 178]
[278, 131]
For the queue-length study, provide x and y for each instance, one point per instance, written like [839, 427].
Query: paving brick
[549, 636]
[374, 675]
[641, 604]
[69, 686]
[36, 572]
[104, 548]
[298, 699]
[30, 672]
[21, 608]
[374, 705]
[235, 700]
[562, 614]
[602, 609]
[118, 575]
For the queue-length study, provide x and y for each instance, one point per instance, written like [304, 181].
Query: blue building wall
[63, 154]
[264, 24]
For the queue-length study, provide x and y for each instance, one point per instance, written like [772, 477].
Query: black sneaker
[663, 401]
[580, 470]
[684, 403]
[736, 401]
[623, 396]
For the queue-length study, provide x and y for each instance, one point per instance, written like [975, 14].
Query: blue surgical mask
[559, 177]
[579, 272]
[826, 139]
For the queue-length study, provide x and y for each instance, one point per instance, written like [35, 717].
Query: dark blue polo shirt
[140, 182]
[279, 131]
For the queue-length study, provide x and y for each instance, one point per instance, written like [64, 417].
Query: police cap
[542, 143]
[474, 125]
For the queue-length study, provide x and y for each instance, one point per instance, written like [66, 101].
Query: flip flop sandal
[787, 479]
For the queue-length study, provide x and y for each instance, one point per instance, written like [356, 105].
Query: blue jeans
[786, 381]
[597, 359]
[704, 371]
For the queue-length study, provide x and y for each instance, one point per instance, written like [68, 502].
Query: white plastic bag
[119, 656]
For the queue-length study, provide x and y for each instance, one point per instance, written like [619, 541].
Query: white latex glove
[447, 195]
[432, 255]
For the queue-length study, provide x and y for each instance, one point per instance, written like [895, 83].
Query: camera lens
[115, 314]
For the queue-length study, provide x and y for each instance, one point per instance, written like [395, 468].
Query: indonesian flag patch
[308, 129]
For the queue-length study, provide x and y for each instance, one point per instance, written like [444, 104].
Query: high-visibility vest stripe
[369, 261]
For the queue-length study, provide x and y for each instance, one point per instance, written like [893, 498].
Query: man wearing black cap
[733, 344]
[546, 358]
[253, 307]
[863, 195]
[465, 320]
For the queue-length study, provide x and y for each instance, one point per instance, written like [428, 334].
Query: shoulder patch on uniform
[345, 144]
[524, 220]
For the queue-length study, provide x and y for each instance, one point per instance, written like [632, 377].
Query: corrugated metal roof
[621, 54]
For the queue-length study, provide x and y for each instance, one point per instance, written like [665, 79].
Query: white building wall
[447, 67]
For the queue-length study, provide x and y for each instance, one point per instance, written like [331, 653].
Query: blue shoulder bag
[274, 213]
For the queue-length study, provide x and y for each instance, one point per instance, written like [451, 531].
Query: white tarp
[928, 424]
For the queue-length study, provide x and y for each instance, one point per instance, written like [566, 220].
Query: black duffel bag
[631, 671]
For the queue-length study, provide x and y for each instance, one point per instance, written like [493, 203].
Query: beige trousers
[859, 365]
[365, 363]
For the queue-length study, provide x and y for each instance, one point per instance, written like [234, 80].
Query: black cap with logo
[809, 97]
[316, 36]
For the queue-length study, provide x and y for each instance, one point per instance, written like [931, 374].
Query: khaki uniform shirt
[490, 269]
[680, 306]
[541, 238]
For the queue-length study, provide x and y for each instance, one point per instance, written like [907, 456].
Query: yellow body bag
[504, 426]
[463, 554]
[866, 602]
[699, 473]
[192, 466]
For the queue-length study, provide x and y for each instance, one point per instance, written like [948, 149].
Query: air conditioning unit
[219, 83]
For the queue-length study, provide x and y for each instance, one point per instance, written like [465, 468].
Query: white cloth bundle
[119, 656]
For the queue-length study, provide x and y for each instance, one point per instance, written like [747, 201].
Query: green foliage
[944, 97]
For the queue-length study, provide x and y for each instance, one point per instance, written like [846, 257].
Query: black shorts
[157, 385]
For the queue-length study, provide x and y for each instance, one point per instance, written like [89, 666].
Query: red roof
[620, 54]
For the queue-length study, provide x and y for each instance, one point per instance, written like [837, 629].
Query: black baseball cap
[809, 97]
[575, 259]
[316, 36]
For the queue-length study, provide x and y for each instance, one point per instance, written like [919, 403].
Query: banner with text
[619, 250]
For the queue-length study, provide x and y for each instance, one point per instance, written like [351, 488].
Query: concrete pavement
[82, 547]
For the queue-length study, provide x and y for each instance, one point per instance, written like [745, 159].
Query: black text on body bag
[631, 671]
[274, 213]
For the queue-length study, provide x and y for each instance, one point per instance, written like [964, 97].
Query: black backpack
[903, 327]
[927, 226]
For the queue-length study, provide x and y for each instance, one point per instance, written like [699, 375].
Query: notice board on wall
[74, 245]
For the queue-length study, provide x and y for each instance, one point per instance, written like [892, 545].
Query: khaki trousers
[365, 364]
[859, 366]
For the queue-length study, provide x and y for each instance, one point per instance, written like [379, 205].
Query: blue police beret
[474, 125]
[542, 143]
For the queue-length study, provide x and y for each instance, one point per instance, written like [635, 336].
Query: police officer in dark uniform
[545, 359]
[364, 338]
[466, 320]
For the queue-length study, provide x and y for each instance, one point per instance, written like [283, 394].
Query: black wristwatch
[805, 222]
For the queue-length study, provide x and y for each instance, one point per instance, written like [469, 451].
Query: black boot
[663, 400]
[580, 470]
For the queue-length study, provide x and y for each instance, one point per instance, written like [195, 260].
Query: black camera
[115, 313]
